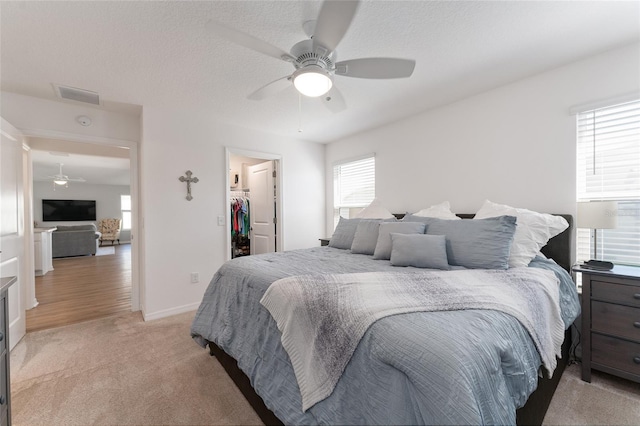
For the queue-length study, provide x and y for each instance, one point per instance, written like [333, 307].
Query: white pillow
[533, 230]
[374, 211]
[440, 211]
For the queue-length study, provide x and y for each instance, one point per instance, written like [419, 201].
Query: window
[354, 186]
[125, 206]
[609, 169]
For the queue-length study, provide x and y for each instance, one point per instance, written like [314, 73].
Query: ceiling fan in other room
[63, 180]
[315, 59]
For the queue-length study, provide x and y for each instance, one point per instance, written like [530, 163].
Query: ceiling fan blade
[249, 41]
[376, 68]
[270, 89]
[76, 179]
[333, 22]
[334, 101]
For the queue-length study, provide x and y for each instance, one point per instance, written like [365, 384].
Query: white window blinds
[354, 185]
[609, 169]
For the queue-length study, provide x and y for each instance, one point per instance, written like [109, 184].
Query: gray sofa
[74, 240]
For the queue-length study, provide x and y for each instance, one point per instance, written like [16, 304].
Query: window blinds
[609, 169]
[354, 185]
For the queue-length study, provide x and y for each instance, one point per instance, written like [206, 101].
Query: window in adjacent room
[125, 206]
[354, 186]
[609, 169]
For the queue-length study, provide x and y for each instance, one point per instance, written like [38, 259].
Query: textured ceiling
[160, 53]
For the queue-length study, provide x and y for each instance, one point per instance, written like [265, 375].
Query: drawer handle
[636, 324]
[2, 400]
[1, 336]
[636, 359]
[636, 296]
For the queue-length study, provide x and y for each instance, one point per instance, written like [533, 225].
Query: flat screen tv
[68, 210]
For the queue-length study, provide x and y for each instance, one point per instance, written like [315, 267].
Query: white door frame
[229, 151]
[15, 239]
[137, 278]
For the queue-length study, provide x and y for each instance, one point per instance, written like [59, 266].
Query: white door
[12, 227]
[262, 207]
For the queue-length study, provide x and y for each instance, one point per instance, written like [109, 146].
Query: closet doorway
[254, 215]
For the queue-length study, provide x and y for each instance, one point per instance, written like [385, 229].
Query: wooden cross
[189, 180]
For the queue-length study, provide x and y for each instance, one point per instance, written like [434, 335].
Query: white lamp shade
[312, 81]
[60, 182]
[597, 214]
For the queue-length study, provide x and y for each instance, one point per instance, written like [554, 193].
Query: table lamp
[597, 215]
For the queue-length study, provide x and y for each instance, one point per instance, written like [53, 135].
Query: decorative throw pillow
[441, 211]
[374, 211]
[420, 219]
[533, 230]
[477, 244]
[342, 237]
[366, 237]
[419, 250]
[383, 245]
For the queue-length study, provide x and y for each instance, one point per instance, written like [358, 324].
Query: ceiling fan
[314, 59]
[63, 180]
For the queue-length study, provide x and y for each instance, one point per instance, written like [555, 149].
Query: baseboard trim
[169, 312]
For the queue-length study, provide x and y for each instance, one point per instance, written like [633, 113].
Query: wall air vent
[78, 95]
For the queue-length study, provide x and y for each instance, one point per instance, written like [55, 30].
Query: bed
[467, 366]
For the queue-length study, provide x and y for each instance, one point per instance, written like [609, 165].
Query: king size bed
[475, 359]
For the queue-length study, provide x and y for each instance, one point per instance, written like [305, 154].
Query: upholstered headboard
[559, 248]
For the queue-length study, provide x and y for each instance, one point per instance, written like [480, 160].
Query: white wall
[107, 199]
[515, 144]
[177, 236]
[182, 236]
[33, 115]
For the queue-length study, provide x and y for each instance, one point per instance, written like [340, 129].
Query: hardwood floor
[81, 289]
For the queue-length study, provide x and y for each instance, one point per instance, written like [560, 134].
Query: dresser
[611, 322]
[5, 388]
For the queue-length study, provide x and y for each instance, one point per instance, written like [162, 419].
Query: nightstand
[324, 241]
[611, 321]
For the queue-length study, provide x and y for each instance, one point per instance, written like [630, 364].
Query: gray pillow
[478, 243]
[366, 237]
[342, 237]
[383, 245]
[419, 250]
[421, 219]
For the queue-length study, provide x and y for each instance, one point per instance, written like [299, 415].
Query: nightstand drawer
[617, 320]
[616, 353]
[617, 293]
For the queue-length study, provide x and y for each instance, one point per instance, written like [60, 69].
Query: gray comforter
[454, 367]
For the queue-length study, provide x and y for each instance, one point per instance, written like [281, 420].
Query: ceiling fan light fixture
[312, 81]
[60, 182]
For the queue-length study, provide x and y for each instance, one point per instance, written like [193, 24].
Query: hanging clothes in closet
[240, 224]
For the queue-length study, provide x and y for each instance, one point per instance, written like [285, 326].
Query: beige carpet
[121, 370]
[607, 400]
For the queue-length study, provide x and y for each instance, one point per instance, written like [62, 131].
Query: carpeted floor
[121, 370]
[607, 400]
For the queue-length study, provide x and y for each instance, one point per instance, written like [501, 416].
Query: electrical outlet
[220, 220]
[195, 277]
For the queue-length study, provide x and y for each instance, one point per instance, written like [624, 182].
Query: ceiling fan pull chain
[299, 112]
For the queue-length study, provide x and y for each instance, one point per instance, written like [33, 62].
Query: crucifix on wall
[189, 181]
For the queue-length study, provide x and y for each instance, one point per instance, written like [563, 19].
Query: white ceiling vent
[78, 95]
